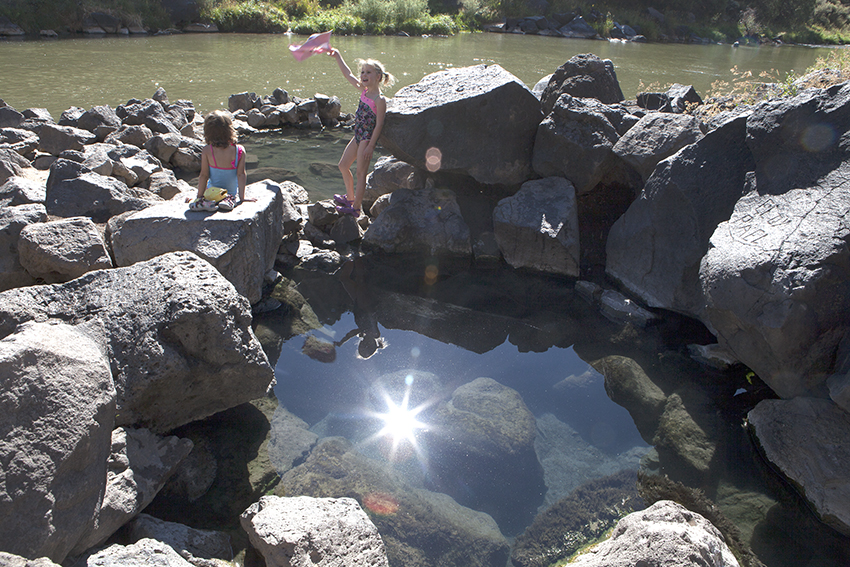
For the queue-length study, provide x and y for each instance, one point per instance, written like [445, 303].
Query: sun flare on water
[401, 425]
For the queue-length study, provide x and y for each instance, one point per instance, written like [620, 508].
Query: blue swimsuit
[225, 177]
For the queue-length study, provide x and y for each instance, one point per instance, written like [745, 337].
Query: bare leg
[362, 172]
[345, 163]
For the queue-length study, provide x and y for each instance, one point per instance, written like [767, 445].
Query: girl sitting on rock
[222, 166]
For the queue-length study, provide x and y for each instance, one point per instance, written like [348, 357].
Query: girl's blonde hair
[218, 129]
[386, 78]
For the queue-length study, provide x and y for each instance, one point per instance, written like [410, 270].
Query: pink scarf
[317, 43]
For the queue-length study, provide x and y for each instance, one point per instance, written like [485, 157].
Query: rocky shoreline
[126, 316]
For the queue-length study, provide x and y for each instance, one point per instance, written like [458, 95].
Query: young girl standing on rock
[368, 122]
[222, 166]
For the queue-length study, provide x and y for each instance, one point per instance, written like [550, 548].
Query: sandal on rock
[227, 204]
[348, 210]
[201, 204]
[343, 200]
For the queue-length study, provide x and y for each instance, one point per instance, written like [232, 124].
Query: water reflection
[468, 338]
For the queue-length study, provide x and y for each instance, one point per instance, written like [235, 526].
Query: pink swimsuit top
[372, 104]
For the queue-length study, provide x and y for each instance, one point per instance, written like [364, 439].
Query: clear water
[538, 340]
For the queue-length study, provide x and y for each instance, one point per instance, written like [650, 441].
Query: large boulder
[100, 121]
[11, 560]
[478, 121]
[58, 410]
[419, 528]
[202, 544]
[576, 141]
[655, 137]
[241, 244]
[74, 190]
[808, 441]
[11, 164]
[139, 465]
[487, 428]
[427, 220]
[586, 76]
[13, 220]
[55, 139]
[177, 333]
[62, 250]
[537, 228]
[654, 250]
[143, 553]
[776, 278]
[148, 113]
[304, 531]
[21, 191]
[666, 533]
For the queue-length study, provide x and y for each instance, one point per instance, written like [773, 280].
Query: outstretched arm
[346, 72]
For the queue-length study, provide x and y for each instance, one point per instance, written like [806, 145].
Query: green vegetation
[68, 15]
[796, 21]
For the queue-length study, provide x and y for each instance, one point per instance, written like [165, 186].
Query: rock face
[139, 465]
[487, 428]
[203, 544]
[776, 278]
[427, 220]
[576, 141]
[654, 250]
[478, 121]
[304, 531]
[537, 228]
[178, 337]
[419, 528]
[665, 534]
[74, 190]
[143, 553]
[62, 250]
[586, 76]
[655, 137]
[57, 417]
[13, 220]
[808, 441]
[241, 244]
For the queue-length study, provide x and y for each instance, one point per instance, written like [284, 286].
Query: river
[206, 69]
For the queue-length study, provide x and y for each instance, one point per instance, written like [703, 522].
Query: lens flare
[433, 159]
[381, 503]
[400, 427]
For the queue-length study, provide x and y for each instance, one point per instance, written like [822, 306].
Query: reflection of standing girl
[368, 122]
[352, 276]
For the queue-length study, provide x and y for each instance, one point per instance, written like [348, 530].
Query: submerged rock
[808, 441]
[419, 528]
[481, 441]
[583, 516]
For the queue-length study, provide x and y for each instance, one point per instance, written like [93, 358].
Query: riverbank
[747, 23]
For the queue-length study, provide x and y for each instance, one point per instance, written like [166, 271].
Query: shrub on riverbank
[68, 15]
[252, 17]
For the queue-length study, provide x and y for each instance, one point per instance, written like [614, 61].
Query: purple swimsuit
[365, 119]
